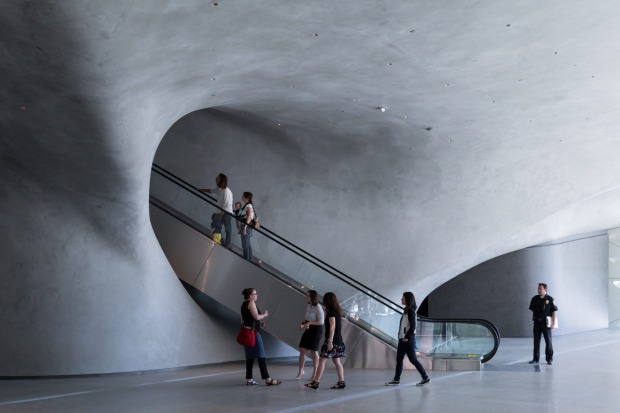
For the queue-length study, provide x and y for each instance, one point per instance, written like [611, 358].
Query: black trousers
[262, 365]
[407, 348]
[540, 327]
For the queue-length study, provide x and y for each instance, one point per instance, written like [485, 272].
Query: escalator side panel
[366, 351]
[223, 275]
[181, 220]
[186, 249]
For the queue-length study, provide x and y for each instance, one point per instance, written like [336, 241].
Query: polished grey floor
[585, 377]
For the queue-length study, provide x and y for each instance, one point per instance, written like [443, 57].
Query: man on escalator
[224, 200]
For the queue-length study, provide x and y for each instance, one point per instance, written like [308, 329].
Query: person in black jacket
[543, 306]
[406, 341]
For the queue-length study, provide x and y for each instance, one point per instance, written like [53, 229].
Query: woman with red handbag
[250, 317]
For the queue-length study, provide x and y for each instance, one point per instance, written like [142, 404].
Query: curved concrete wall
[500, 289]
[491, 142]
[84, 285]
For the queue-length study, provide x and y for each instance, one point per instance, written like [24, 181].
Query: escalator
[282, 273]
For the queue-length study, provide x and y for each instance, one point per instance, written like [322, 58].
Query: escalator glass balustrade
[365, 308]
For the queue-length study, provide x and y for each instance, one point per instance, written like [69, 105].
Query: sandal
[339, 385]
[312, 385]
[273, 382]
[250, 382]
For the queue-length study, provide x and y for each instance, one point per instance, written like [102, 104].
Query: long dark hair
[330, 301]
[410, 301]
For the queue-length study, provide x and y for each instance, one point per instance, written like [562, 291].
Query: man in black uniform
[543, 306]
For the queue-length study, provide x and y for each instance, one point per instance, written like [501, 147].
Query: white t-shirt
[315, 313]
[249, 211]
[224, 198]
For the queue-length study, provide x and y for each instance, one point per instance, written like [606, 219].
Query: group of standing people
[315, 318]
[244, 215]
[326, 323]
[543, 309]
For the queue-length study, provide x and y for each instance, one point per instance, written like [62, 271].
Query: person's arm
[332, 329]
[254, 312]
[320, 316]
[554, 319]
[248, 218]
[228, 200]
[411, 319]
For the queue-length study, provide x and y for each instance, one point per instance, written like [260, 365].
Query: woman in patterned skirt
[333, 348]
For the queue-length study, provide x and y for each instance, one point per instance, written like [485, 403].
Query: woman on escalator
[406, 341]
[251, 316]
[245, 230]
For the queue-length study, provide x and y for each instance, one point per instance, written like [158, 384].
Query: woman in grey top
[406, 342]
[312, 326]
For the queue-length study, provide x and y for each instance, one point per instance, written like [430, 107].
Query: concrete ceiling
[500, 127]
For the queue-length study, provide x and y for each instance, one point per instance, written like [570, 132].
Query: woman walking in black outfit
[333, 348]
[406, 341]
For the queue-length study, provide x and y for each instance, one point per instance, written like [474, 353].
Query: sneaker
[549, 361]
[423, 382]
[250, 382]
[533, 362]
[392, 383]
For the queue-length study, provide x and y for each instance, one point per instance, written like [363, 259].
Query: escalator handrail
[359, 322]
[197, 227]
[330, 269]
[284, 243]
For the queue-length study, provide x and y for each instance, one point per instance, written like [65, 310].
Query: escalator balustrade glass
[301, 270]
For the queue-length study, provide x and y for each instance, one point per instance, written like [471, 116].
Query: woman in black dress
[312, 326]
[333, 348]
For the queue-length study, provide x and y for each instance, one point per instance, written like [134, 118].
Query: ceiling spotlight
[381, 108]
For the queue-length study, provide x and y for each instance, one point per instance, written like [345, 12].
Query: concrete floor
[584, 377]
